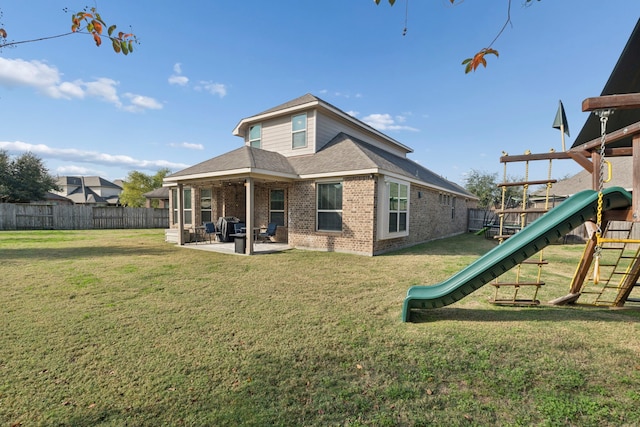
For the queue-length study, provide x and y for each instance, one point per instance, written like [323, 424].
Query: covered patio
[239, 184]
[259, 248]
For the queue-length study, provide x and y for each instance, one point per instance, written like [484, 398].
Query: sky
[202, 66]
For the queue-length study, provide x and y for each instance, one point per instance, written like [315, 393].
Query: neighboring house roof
[158, 193]
[621, 177]
[342, 156]
[625, 78]
[308, 101]
[80, 189]
[87, 181]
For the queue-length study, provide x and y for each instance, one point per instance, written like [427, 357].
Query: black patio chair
[210, 229]
[269, 232]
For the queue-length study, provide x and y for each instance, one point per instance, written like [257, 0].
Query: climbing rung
[515, 301]
[517, 284]
[528, 261]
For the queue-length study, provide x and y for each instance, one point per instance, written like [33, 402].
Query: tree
[138, 183]
[24, 179]
[87, 21]
[485, 186]
[471, 64]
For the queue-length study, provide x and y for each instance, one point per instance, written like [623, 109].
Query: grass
[118, 327]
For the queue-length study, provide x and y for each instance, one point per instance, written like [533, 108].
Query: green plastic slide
[547, 229]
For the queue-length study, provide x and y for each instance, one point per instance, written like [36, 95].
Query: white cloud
[187, 145]
[141, 103]
[94, 157]
[386, 122]
[177, 78]
[17, 72]
[353, 113]
[104, 89]
[47, 80]
[213, 88]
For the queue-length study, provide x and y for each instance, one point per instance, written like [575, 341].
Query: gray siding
[328, 127]
[276, 135]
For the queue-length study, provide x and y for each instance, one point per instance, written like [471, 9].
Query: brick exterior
[432, 214]
[358, 218]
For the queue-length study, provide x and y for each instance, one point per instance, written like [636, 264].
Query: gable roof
[241, 160]
[311, 101]
[625, 78]
[344, 155]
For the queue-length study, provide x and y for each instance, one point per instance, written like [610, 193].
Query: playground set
[609, 269]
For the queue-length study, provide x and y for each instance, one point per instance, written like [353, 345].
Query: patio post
[249, 191]
[180, 203]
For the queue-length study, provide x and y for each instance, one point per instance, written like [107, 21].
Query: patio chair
[210, 229]
[269, 232]
[238, 227]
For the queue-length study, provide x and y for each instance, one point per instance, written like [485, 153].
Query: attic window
[255, 134]
[299, 130]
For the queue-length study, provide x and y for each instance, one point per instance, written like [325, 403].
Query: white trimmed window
[393, 209]
[329, 206]
[299, 131]
[276, 207]
[205, 205]
[255, 136]
[186, 201]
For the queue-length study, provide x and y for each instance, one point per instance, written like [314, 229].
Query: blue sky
[203, 66]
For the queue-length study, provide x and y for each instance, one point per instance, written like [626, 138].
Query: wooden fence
[78, 217]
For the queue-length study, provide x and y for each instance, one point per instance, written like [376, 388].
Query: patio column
[249, 192]
[180, 204]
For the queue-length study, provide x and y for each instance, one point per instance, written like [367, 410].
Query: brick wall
[431, 216]
[358, 218]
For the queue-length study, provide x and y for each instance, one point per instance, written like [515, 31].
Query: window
[205, 205]
[398, 205]
[453, 208]
[299, 130]
[276, 207]
[255, 134]
[393, 209]
[329, 206]
[186, 201]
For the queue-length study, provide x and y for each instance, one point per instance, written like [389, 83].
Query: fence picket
[79, 217]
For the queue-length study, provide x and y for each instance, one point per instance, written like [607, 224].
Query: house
[160, 195]
[89, 190]
[330, 182]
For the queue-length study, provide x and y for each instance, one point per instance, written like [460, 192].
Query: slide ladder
[528, 273]
[619, 268]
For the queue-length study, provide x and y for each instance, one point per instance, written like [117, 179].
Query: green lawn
[120, 328]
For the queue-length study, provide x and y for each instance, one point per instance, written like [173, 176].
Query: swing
[604, 117]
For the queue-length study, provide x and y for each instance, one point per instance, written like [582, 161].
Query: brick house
[329, 180]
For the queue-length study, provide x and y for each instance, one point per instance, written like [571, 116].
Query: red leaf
[97, 39]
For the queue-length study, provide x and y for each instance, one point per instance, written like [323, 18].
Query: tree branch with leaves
[87, 21]
[471, 64]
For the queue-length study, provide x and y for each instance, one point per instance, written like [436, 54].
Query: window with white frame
[255, 136]
[205, 205]
[276, 207]
[393, 211]
[329, 206]
[398, 206]
[186, 202]
[299, 130]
